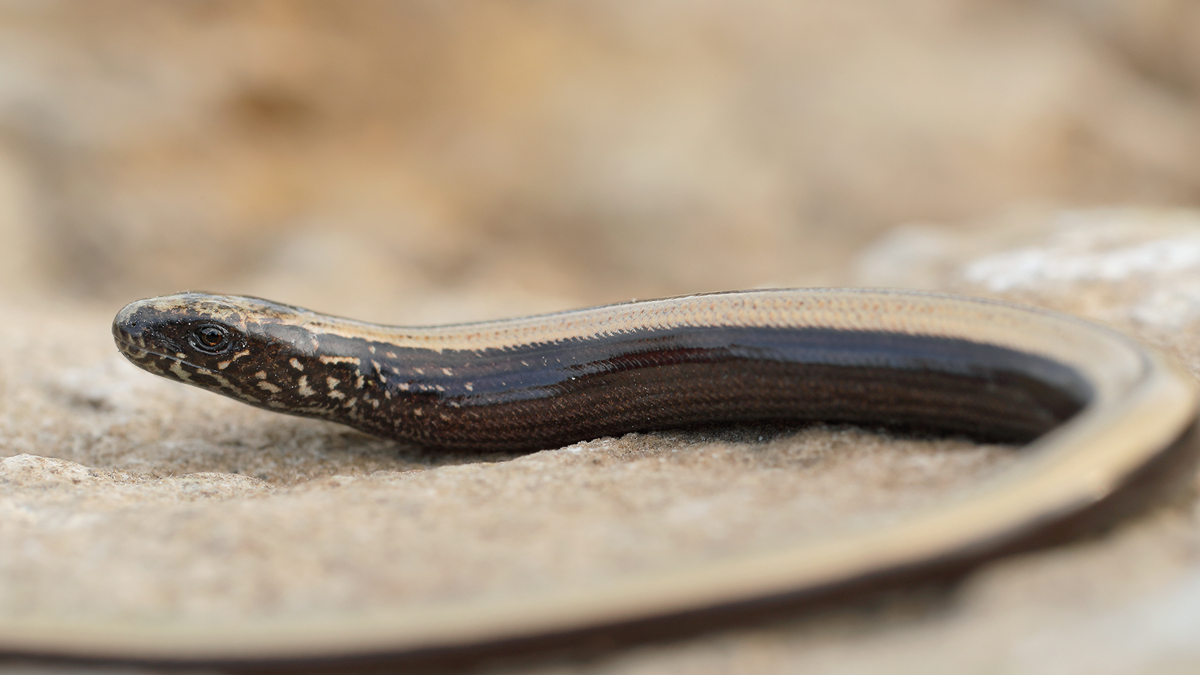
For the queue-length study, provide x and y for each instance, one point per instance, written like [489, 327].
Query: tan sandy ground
[126, 496]
[430, 162]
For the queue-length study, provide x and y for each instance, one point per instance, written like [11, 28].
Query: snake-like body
[547, 381]
[1110, 426]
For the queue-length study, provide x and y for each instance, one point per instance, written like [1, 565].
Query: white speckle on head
[469, 386]
[418, 412]
[448, 372]
[358, 384]
[340, 359]
[304, 389]
[179, 371]
[371, 348]
[267, 386]
[403, 386]
[225, 364]
[332, 382]
[336, 394]
[225, 384]
[262, 374]
[391, 355]
[419, 371]
[296, 364]
[350, 403]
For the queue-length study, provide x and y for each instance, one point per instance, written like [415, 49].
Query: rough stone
[435, 162]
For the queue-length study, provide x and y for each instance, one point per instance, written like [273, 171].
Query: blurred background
[421, 161]
[440, 160]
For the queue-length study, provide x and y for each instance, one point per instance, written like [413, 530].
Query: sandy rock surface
[435, 162]
[126, 497]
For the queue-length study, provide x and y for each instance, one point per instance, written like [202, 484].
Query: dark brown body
[552, 392]
[549, 395]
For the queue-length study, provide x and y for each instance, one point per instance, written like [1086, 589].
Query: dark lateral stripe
[532, 396]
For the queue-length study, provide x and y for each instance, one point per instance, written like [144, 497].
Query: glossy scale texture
[625, 375]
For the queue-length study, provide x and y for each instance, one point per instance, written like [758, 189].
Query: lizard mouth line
[136, 352]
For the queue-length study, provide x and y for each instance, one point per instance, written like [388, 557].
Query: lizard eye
[210, 338]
